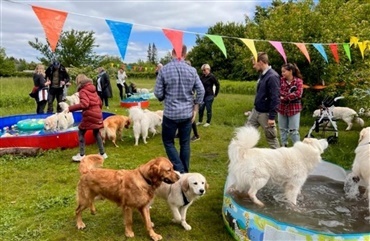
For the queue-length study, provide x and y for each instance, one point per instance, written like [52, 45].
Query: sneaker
[77, 158]
[107, 107]
[199, 123]
[105, 156]
[195, 138]
[206, 124]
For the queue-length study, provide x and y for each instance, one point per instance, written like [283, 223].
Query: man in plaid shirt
[175, 86]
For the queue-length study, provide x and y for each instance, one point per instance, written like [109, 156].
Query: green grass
[38, 193]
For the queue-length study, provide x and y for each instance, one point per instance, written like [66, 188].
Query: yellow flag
[353, 40]
[250, 45]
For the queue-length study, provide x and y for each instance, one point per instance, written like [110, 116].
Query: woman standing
[121, 81]
[42, 86]
[103, 86]
[290, 107]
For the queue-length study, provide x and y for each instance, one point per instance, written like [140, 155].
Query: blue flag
[121, 33]
[321, 49]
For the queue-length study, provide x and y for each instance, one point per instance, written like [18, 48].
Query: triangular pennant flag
[175, 37]
[347, 50]
[52, 21]
[279, 47]
[321, 50]
[250, 45]
[219, 42]
[303, 49]
[363, 46]
[334, 50]
[353, 40]
[121, 33]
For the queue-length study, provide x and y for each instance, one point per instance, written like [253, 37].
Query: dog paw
[81, 226]
[156, 237]
[176, 220]
[129, 234]
[186, 226]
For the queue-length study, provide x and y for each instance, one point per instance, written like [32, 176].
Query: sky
[19, 24]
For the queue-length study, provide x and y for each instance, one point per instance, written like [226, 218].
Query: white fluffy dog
[144, 121]
[251, 168]
[73, 99]
[59, 121]
[182, 194]
[346, 114]
[361, 166]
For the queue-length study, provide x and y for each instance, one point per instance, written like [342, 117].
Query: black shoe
[195, 138]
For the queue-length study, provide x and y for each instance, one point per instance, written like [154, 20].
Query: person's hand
[62, 82]
[271, 123]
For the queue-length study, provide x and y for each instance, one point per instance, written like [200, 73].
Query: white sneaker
[199, 123]
[77, 158]
[206, 124]
[105, 156]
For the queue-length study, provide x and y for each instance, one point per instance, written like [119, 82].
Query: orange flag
[334, 50]
[175, 36]
[303, 49]
[52, 21]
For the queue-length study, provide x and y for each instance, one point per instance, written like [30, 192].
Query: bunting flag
[346, 47]
[250, 45]
[353, 41]
[52, 21]
[303, 49]
[363, 46]
[175, 38]
[321, 50]
[121, 33]
[334, 50]
[279, 47]
[219, 42]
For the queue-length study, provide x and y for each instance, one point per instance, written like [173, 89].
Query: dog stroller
[326, 119]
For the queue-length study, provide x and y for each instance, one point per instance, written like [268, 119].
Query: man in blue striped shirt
[175, 85]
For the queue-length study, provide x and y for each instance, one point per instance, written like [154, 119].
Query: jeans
[207, 104]
[120, 88]
[81, 140]
[289, 125]
[183, 127]
[55, 93]
[103, 98]
[257, 119]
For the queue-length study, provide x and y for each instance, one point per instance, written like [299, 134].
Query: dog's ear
[185, 185]
[362, 133]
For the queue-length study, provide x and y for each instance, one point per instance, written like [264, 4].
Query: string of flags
[52, 22]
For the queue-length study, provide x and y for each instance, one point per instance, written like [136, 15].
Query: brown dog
[90, 162]
[113, 127]
[128, 188]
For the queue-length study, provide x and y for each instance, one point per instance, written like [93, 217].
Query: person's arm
[274, 94]
[159, 87]
[217, 84]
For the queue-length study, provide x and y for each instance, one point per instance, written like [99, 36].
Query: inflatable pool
[39, 138]
[247, 222]
[134, 101]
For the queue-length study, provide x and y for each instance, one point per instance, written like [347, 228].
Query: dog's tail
[359, 121]
[246, 137]
[90, 162]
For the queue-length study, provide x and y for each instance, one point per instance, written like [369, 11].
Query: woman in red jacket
[92, 115]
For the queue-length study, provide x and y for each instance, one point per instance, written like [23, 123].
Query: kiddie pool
[258, 227]
[133, 101]
[53, 140]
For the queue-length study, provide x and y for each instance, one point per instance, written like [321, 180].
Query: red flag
[175, 36]
[334, 50]
[52, 21]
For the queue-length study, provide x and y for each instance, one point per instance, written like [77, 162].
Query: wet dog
[59, 121]
[73, 99]
[251, 168]
[129, 189]
[113, 127]
[181, 195]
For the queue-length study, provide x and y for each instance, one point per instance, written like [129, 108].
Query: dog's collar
[149, 182]
[186, 201]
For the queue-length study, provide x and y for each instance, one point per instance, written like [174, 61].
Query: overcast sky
[19, 23]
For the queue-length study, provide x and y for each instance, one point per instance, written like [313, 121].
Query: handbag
[34, 92]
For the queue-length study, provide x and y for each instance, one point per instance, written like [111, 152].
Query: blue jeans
[207, 104]
[289, 125]
[183, 127]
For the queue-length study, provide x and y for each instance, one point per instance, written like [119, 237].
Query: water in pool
[322, 206]
[10, 131]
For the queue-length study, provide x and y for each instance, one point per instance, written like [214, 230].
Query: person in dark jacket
[103, 86]
[267, 100]
[92, 116]
[209, 81]
[40, 83]
[57, 74]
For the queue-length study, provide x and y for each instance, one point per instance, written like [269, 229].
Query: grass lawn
[38, 193]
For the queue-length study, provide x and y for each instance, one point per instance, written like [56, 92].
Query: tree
[152, 56]
[166, 59]
[75, 48]
[7, 66]
[149, 56]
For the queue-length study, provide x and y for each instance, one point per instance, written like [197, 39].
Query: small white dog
[144, 121]
[346, 114]
[73, 99]
[251, 168]
[182, 194]
[59, 121]
[361, 166]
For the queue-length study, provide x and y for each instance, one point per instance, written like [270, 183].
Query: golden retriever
[182, 194]
[113, 127]
[252, 168]
[59, 121]
[127, 188]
